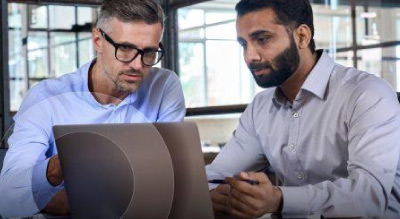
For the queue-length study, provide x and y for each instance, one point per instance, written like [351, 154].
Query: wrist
[52, 174]
[279, 200]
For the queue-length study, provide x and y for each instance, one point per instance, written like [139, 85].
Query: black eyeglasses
[126, 53]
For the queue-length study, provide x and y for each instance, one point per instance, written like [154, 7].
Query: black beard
[286, 63]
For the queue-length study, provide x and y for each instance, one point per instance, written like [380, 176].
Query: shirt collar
[318, 79]
[316, 82]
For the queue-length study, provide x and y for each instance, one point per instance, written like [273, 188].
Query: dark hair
[148, 11]
[290, 13]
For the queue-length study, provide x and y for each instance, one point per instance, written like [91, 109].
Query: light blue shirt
[335, 149]
[24, 188]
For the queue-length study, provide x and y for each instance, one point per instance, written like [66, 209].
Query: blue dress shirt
[24, 188]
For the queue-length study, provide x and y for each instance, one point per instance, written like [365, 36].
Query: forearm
[16, 193]
[42, 189]
[361, 196]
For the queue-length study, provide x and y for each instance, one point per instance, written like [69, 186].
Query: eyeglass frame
[161, 51]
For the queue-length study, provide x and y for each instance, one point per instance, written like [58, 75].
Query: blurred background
[45, 39]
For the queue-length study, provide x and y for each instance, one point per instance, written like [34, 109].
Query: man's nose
[252, 54]
[136, 63]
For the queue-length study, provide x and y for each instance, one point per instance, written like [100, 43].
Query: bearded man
[329, 132]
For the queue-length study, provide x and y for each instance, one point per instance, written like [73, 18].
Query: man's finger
[219, 198]
[245, 199]
[223, 189]
[220, 208]
[242, 186]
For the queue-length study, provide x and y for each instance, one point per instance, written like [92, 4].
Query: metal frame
[62, 2]
[5, 118]
[76, 29]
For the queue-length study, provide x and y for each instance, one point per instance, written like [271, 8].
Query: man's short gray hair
[128, 11]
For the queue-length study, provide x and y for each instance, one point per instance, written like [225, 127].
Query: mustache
[131, 72]
[255, 66]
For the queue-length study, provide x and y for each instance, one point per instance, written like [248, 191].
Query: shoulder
[363, 93]
[160, 78]
[49, 88]
[358, 84]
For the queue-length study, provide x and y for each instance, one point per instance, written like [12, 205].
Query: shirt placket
[299, 175]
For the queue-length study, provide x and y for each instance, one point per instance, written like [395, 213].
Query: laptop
[148, 170]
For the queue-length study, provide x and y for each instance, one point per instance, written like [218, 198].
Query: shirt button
[292, 147]
[295, 115]
[300, 176]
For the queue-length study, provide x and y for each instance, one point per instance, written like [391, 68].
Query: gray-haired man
[119, 86]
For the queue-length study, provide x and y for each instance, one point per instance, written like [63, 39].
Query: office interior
[48, 38]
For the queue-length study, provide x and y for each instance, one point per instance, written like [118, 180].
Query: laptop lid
[134, 170]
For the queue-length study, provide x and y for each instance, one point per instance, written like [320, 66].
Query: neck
[292, 86]
[102, 88]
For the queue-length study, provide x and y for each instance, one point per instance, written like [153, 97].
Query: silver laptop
[134, 171]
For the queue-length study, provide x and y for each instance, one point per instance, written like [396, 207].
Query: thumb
[259, 176]
[243, 175]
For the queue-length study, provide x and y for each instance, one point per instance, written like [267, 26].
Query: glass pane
[190, 23]
[63, 53]
[38, 55]
[223, 71]
[191, 34]
[370, 60]
[66, 21]
[383, 62]
[220, 16]
[86, 15]
[86, 50]
[16, 60]
[344, 58]
[17, 91]
[332, 24]
[378, 22]
[37, 39]
[14, 15]
[188, 18]
[191, 72]
[223, 31]
[226, 79]
[37, 16]
[38, 63]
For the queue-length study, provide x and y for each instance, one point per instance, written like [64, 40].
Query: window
[211, 64]
[43, 45]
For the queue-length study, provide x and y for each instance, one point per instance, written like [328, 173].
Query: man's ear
[302, 35]
[97, 40]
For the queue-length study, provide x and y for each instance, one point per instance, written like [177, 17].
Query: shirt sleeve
[24, 187]
[243, 152]
[172, 107]
[373, 150]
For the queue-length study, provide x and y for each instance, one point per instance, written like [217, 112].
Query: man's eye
[125, 48]
[262, 40]
[243, 44]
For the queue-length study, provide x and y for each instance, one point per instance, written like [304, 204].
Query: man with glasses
[119, 86]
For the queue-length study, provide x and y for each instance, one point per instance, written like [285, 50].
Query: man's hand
[219, 198]
[249, 201]
[54, 174]
[58, 204]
